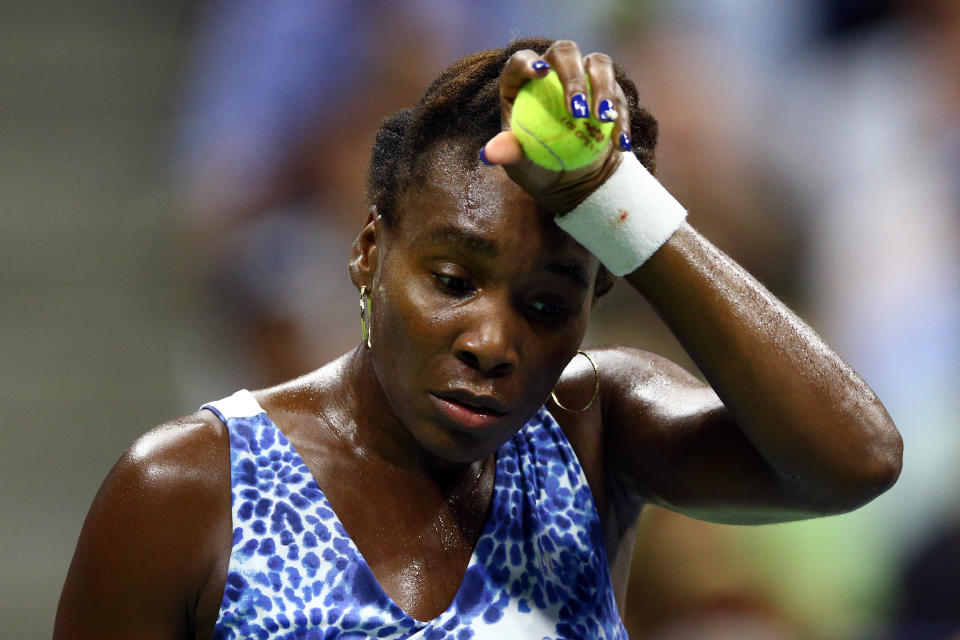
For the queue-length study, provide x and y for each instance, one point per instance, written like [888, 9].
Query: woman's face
[478, 302]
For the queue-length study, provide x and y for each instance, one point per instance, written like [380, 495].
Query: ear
[364, 256]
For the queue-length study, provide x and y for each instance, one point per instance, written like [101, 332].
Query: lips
[469, 409]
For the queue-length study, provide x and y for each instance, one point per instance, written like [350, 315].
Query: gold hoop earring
[596, 389]
[364, 320]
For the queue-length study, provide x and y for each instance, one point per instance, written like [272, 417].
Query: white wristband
[626, 219]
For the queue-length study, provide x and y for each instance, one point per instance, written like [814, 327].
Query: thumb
[503, 148]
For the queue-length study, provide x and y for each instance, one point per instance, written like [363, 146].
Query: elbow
[860, 470]
[885, 460]
[888, 460]
[877, 469]
[883, 474]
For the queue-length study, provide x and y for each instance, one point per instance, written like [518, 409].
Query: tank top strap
[241, 404]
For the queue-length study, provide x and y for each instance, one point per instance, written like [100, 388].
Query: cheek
[408, 328]
[557, 349]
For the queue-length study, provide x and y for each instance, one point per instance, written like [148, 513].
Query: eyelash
[556, 310]
[455, 285]
[447, 283]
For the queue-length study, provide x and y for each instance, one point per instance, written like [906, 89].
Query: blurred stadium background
[180, 181]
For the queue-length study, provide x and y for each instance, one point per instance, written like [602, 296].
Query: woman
[427, 484]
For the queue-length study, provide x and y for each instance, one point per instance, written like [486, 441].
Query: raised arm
[787, 431]
[145, 556]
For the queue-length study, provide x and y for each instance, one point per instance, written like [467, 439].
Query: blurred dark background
[180, 182]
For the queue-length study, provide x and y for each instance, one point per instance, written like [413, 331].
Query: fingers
[564, 57]
[621, 129]
[520, 67]
[609, 101]
[599, 68]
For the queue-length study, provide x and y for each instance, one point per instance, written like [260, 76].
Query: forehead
[482, 201]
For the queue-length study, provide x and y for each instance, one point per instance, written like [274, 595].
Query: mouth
[468, 409]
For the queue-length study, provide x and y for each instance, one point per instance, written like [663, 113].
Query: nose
[489, 341]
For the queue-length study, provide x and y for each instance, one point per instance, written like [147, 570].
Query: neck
[371, 427]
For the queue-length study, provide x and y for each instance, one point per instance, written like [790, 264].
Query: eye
[547, 309]
[453, 284]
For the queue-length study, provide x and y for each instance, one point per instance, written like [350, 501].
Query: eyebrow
[450, 234]
[466, 239]
[573, 270]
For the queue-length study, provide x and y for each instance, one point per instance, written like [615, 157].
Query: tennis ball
[549, 135]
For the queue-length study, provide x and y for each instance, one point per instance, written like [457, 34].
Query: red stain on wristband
[623, 216]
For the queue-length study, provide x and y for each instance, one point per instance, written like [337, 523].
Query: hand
[559, 191]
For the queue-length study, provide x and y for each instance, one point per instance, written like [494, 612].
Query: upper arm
[671, 440]
[149, 538]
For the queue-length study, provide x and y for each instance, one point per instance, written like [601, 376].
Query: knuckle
[565, 48]
[515, 58]
[597, 58]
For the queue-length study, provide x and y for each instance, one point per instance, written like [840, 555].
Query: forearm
[808, 414]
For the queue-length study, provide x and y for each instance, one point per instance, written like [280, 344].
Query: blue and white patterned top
[539, 568]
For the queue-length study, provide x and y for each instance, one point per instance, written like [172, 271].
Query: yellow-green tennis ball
[549, 135]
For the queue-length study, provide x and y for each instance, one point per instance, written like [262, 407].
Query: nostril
[495, 369]
[469, 358]
[502, 369]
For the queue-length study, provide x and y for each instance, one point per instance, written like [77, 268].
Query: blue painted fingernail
[483, 157]
[625, 143]
[607, 112]
[540, 65]
[578, 106]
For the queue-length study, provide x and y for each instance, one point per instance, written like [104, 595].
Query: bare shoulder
[630, 387]
[636, 409]
[185, 459]
[159, 525]
[639, 373]
[646, 383]
[650, 398]
[629, 384]
[648, 407]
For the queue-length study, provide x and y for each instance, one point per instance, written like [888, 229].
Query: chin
[458, 446]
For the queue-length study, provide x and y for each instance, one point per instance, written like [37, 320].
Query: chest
[415, 532]
[506, 539]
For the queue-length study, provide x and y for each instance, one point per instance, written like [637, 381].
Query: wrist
[587, 187]
[625, 220]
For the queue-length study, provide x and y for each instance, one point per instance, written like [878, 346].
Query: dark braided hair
[462, 104]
